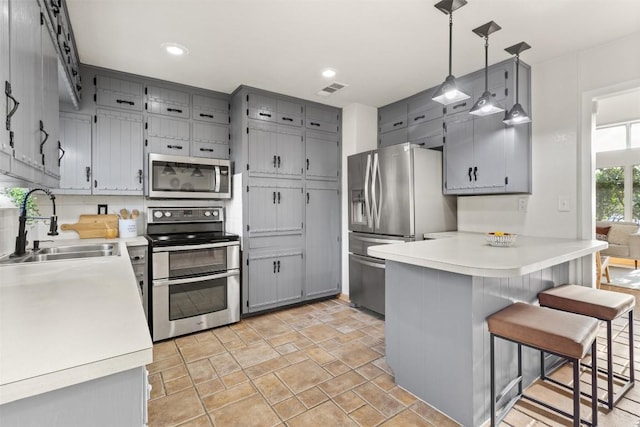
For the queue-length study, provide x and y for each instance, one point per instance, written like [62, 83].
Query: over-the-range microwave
[181, 177]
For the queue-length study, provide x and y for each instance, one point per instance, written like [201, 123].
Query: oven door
[175, 262]
[183, 306]
[188, 177]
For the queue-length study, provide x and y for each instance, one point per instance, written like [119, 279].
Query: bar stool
[603, 305]
[564, 334]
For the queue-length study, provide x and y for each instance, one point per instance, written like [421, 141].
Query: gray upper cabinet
[459, 160]
[75, 164]
[274, 150]
[117, 153]
[49, 145]
[210, 140]
[167, 136]
[168, 102]
[6, 151]
[323, 155]
[268, 109]
[210, 109]
[425, 121]
[322, 118]
[118, 93]
[289, 113]
[392, 124]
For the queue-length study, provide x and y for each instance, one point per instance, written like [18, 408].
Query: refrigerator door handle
[367, 205]
[375, 178]
[365, 261]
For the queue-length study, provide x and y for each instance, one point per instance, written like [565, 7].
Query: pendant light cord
[450, 41]
[517, 77]
[486, 63]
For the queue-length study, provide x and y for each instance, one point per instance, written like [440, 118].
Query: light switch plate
[563, 204]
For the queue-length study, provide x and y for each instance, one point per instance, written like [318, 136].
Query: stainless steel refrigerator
[395, 195]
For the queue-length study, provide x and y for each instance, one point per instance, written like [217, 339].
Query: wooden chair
[602, 267]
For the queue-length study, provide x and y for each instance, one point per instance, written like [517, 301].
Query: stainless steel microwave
[181, 177]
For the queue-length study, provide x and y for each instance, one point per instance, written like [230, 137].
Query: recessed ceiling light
[175, 49]
[328, 73]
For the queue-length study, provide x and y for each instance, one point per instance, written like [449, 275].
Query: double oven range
[195, 271]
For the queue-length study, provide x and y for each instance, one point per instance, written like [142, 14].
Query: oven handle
[216, 187]
[157, 283]
[194, 247]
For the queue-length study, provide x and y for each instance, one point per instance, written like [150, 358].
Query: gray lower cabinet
[274, 207]
[6, 152]
[140, 263]
[279, 279]
[117, 153]
[75, 164]
[322, 243]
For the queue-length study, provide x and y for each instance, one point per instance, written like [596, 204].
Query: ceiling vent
[332, 88]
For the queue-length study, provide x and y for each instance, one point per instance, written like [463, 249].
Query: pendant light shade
[168, 170]
[448, 92]
[486, 105]
[516, 115]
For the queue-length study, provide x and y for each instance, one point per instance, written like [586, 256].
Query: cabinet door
[210, 109]
[428, 133]
[322, 155]
[289, 277]
[458, 154]
[322, 260]
[322, 118]
[263, 288]
[210, 140]
[50, 110]
[263, 199]
[263, 143]
[167, 102]
[489, 154]
[290, 152]
[167, 136]
[392, 117]
[423, 109]
[289, 113]
[26, 86]
[394, 137]
[117, 153]
[261, 107]
[289, 208]
[5, 148]
[118, 93]
[75, 165]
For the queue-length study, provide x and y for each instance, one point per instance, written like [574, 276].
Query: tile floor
[321, 364]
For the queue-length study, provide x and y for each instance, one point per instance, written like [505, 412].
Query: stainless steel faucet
[21, 239]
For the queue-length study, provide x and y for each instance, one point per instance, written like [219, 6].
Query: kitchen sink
[66, 252]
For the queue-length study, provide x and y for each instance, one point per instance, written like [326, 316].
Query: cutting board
[92, 226]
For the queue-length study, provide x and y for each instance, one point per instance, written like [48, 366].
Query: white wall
[619, 108]
[558, 86]
[359, 133]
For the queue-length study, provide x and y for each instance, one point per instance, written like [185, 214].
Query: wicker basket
[506, 240]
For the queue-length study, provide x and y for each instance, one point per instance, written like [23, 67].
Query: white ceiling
[384, 50]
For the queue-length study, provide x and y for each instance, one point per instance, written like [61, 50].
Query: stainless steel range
[195, 269]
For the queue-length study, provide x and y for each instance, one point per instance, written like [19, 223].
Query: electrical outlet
[563, 204]
[522, 204]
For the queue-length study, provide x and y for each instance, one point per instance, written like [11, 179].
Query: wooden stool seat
[564, 334]
[603, 305]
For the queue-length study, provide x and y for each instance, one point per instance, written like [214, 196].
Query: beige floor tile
[202, 421]
[266, 367]
[331, 344]
[355, 354]
[249, 336]
[225, 334]
[366, 416]
[164, 364]
[379, 399]
[349, 336]
[303, 343]
[303, 375]
[235, 344]
[249, 412]
[432, 415]
[286, 338]
[320, 356]
[385, 382]
[327, 414]
[296, 356]
[185, 340]
[226, 397]
[403, 395]
[254, 354]
[204, 336]
[318, 333]
[157, 388]
[312, 397]
[175, 408]
[271, 328]
[178, 384]
[342, 383]
[349, 401]
[369, 371]
[209, 387]
[408, 418]
[286, 349]
[173, 373]
[201, 371]
[234, 379]
[224, 364]
[272, 388]
[336, 368]
[201, 350]
[289, 408]
[164, 350]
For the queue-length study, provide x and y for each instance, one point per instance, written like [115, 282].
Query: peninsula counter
[438, 295]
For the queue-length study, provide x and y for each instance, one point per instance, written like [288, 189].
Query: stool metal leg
[520, 368]
[576, 392]
[543, 372]
[493, 382]
[594, 385]
[632, 375]
[609, 366]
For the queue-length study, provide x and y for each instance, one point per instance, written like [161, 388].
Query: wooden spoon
[124, 213]
[135, 213]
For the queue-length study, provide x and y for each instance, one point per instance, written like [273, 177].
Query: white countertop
[470, 254]
[67, 322]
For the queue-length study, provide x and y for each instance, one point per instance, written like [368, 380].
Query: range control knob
[207, 213]
[157, 214]
[215, 213]
[167, 214]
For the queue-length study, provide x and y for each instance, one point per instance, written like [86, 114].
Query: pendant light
[168, 170]
[448, 92]
[517, 115]
[486, 105]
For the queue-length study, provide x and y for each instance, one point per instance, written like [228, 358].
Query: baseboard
[344, 297]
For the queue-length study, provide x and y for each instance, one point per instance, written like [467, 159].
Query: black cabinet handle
[460, 105]
[274, 267]
[274, 197]
[307, 164]
[137, 258]
[278, 266]
[55, 8]
[46, 137]
[62, 155]
[74, 72]
[67, 49]
[209, 150]
[140, 176]
[7, 92]
[397, 124]
[278, 161]
[174, 110]
[275, 160]
[470, 170]
[124, 101]
[87, 170]
[278, 197]
[206, 115]
[79, 87]
[95, 183]
[475, 173]
[287, 119]
[314, 124]
[264, 114]
[307, 198]
[175, 147]
[419, 118]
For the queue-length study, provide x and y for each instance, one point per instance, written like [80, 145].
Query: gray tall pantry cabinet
[286, 153]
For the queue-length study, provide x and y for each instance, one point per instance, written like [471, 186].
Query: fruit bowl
[500, 239]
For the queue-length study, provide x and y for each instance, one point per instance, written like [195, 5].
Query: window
[635, 135]
[610, 194]
[610, 138]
